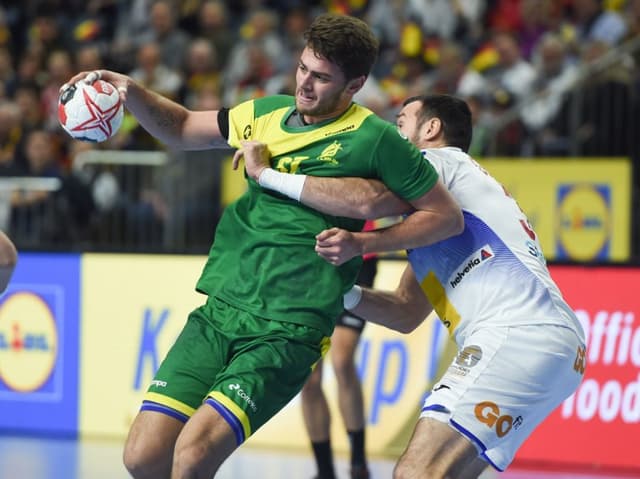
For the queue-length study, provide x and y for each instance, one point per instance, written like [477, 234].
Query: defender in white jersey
[521, 348]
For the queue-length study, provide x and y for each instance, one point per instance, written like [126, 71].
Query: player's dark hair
[346, 41]
[454, 114]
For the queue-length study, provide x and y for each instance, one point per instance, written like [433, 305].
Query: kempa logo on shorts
[244, 396]
[478, 258]
[160, 384]
[488, 413]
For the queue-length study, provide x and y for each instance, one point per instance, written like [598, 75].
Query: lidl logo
[583, 221]
[28, 342]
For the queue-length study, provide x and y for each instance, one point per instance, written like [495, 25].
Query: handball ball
[90, 112]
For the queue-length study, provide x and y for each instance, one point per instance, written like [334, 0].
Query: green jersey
[263, 259]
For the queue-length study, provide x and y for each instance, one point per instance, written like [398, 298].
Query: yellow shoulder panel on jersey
[270, 129]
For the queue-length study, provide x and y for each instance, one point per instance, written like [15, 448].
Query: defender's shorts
[245, 367]
[504, 382]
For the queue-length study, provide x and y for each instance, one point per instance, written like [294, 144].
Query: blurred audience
[519, 63]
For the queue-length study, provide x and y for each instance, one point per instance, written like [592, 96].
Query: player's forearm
[351, 197]
[421, 228]
[170, 122]
[391, 310]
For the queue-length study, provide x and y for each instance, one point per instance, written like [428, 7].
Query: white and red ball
[90, 112]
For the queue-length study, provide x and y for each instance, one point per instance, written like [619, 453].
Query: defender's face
[407, 122]
[320, 88]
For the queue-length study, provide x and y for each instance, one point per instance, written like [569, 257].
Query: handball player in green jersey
[271, 301]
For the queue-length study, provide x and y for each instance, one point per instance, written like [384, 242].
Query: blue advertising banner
[39, 319]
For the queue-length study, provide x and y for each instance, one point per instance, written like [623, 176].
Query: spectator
[133, 29]
[88, 57]
[445, 19]
[27, 97]
[49, 216]
[7, 73]
[200, 71]
[259, 34]
[214, 26]
[598, 117]
[480, 131]
[512, 72]
[10, 137]
[556, 73]
[534, 16]
[593, 22]
[154, 74]
[59, 68]
[171, 40]
[453, 77]
[252, 80]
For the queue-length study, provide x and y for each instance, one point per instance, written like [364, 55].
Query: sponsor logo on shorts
[581, 360]
[478, 258]
[244, 396]
[489, 413]
[465, 360]
[158, 383]
[469, 356]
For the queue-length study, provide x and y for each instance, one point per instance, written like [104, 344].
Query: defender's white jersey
[494, 273]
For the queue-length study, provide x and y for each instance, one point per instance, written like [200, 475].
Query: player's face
[321, 88]
[407, 122]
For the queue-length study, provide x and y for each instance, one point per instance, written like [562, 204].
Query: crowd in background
[497, 54]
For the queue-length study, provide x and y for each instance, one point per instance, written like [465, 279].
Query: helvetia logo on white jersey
[478, 258]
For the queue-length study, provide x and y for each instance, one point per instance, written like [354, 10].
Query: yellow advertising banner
[579, 207]
[134, 306]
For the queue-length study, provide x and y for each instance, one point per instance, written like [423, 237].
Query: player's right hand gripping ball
[90, 112]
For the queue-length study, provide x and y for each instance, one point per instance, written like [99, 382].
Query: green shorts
[247, 368]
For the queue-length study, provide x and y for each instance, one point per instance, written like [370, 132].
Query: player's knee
[137, 460]
[190, 460]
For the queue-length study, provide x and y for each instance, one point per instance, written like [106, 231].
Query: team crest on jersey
[478, 258]
[329, 153]
[246, 133]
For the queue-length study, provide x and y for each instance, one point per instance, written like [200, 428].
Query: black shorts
[365, 278]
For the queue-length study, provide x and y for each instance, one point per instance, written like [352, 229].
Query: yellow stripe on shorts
[234, 409]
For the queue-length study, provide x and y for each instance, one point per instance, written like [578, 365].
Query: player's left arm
[437, 217]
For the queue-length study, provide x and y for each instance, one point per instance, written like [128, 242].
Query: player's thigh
[265, 372]
[436, 449]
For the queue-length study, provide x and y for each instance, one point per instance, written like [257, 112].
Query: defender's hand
[337, 246]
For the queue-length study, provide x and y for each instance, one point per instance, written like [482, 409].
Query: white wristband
[352, 298]
[285, 183]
